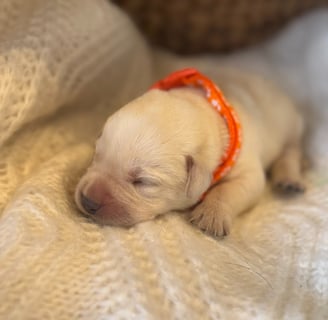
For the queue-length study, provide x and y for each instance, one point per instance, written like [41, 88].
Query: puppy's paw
[211, 219]
[289, 187]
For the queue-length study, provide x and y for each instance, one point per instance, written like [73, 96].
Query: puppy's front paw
[211, 219]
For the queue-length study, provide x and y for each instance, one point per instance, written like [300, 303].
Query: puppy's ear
[198, 178]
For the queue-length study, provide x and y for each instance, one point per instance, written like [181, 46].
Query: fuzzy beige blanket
[65, 65]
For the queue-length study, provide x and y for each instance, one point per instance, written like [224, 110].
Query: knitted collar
[192, 77]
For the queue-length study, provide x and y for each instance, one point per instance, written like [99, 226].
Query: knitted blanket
[64, 67]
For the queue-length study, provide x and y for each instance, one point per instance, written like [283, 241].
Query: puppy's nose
[89, 205]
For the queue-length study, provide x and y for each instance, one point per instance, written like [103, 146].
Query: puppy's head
[147, 162]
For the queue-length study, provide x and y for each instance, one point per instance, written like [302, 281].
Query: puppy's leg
[228, 199]
[286, 171]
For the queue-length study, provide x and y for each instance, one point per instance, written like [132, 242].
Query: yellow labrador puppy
[159, 152]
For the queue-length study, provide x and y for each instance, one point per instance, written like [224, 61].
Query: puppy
[158, 154]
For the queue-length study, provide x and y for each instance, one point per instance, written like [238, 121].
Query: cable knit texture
[64, 67]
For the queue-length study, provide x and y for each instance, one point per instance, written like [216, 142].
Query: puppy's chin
[113, 215]
[113, 218]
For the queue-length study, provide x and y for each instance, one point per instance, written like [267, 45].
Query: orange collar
[192, 77]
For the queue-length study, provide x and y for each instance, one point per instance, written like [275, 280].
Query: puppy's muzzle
[88, 205]
[96, 199]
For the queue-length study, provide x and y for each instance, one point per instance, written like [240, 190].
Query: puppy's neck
[216, 138]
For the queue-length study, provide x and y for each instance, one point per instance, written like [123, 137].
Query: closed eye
[144, 182]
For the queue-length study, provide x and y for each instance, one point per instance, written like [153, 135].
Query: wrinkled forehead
[132, 143]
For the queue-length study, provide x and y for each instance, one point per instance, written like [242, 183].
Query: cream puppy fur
[158, 154]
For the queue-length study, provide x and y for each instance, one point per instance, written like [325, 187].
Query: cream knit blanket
[65, 65]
